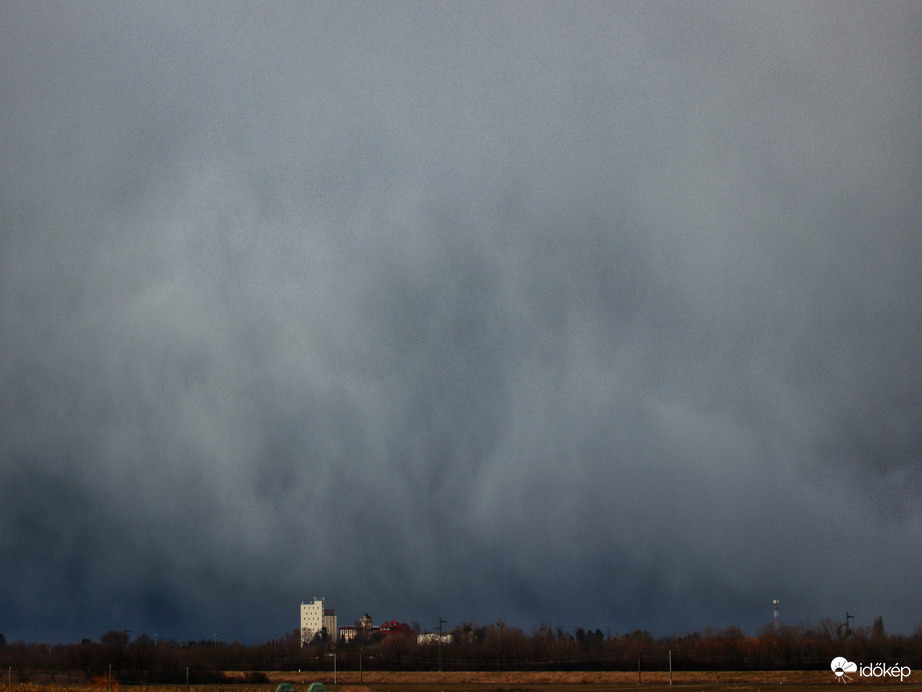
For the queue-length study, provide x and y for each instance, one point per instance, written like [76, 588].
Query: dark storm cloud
[601, 314]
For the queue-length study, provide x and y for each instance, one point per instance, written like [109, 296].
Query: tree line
[495, 646]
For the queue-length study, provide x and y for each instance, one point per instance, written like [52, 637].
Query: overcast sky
[602, 314]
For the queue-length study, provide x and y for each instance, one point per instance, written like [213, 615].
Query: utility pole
[440, 641]
[848, 630]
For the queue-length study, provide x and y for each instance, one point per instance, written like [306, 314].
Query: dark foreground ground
[748, 681]
[351, 681]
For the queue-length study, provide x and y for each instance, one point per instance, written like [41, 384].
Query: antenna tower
[777, 606]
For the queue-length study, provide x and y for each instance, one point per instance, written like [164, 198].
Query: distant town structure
[367, 631]
[349, 632]
[317, 620]
[433, 638]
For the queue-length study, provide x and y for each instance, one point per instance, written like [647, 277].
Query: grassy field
[802, 681]
[376, 681]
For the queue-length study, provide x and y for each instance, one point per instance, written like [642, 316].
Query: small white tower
[777, 606]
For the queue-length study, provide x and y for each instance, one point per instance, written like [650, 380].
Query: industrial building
[316, 620]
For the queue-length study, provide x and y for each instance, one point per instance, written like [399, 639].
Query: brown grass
[511, 681]
[551, 681]
[549, 677]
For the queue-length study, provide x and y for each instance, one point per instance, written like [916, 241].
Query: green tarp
[317, 687]
[285, 687]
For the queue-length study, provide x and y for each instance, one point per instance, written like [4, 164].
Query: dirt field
[520, 680]
[377, 681]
